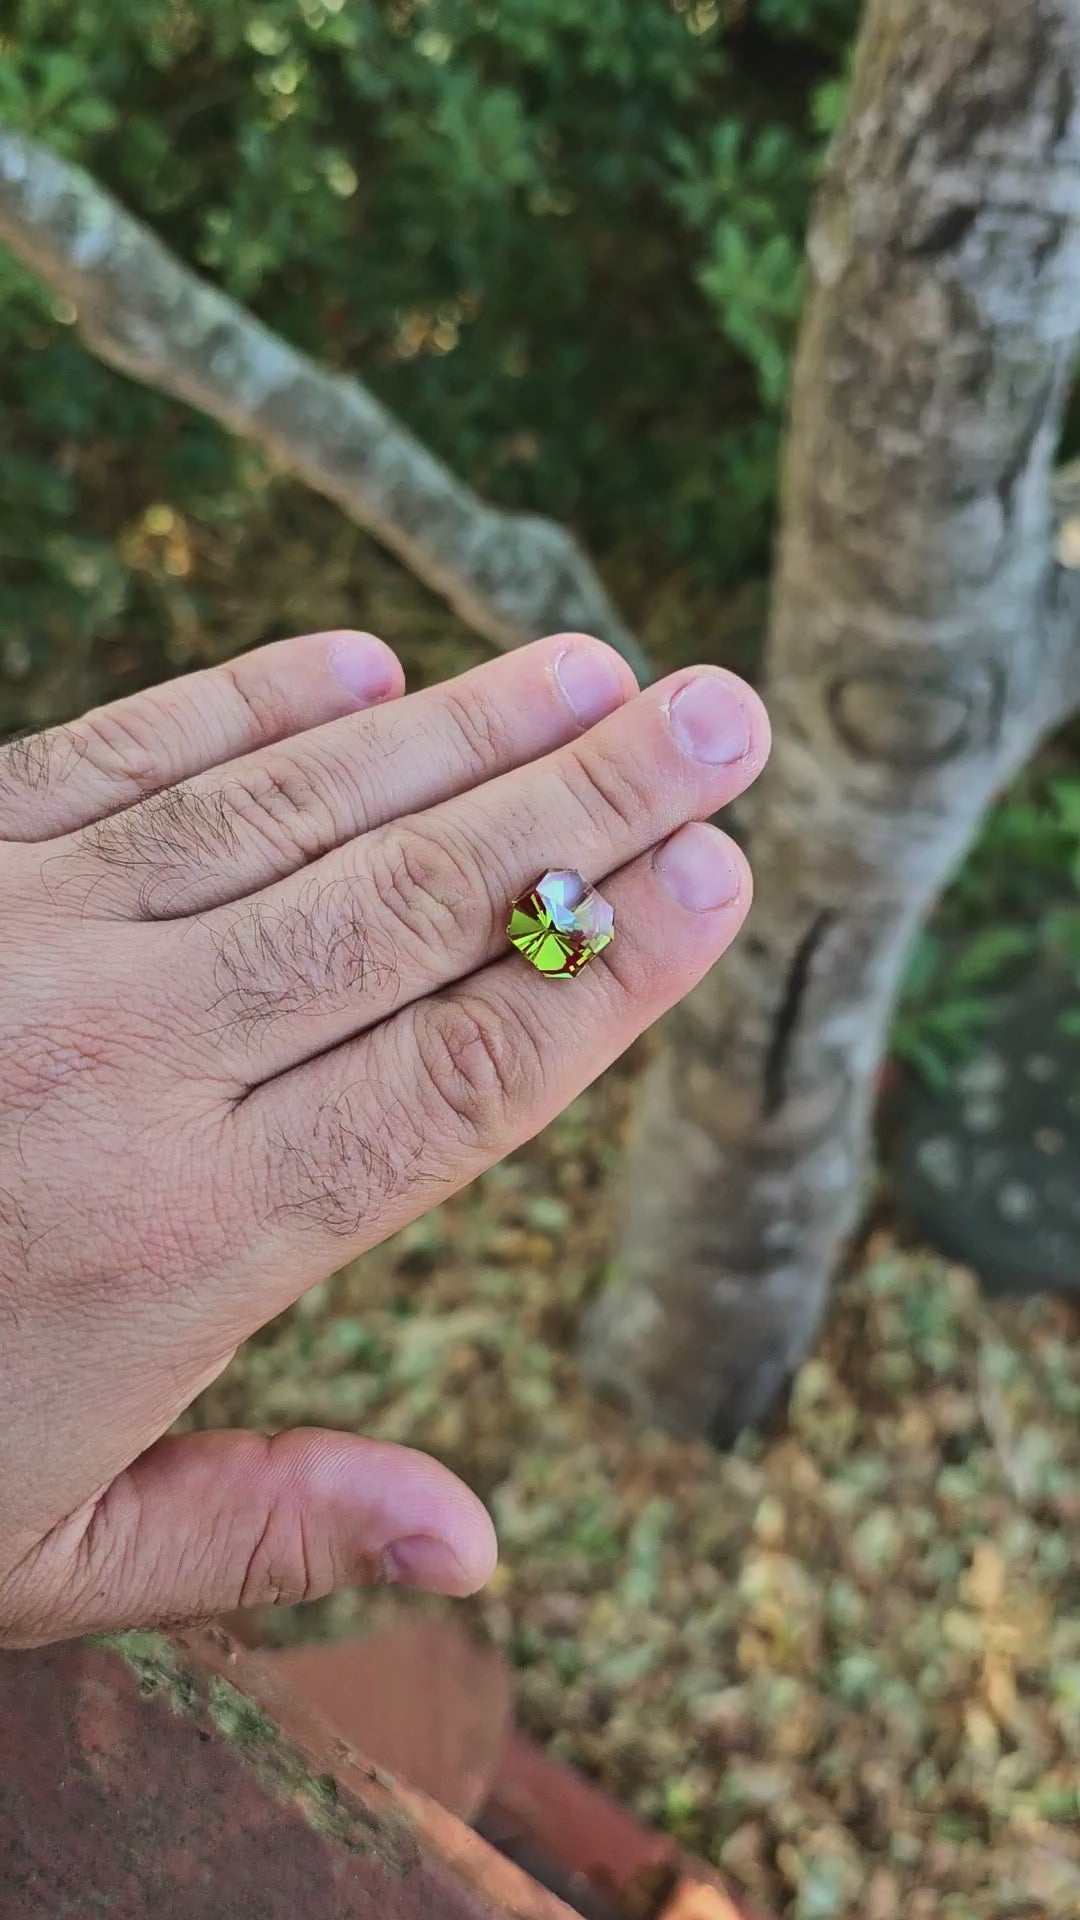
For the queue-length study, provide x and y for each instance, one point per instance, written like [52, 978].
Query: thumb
[203, 1523]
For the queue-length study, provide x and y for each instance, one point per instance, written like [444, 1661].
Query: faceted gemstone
[561, 923]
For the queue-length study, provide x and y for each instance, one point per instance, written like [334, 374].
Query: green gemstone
[560, 924]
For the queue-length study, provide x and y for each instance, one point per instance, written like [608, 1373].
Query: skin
[257, 1012]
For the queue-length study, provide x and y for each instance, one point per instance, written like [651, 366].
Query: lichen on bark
[280, 1765]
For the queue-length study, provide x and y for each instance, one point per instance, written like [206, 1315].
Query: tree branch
[510, 576]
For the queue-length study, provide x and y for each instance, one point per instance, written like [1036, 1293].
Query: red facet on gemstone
[560, 923]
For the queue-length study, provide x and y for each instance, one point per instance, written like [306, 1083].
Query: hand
[257, 1012]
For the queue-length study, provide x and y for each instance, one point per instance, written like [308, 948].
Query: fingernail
[365, 666]
[590, 683]
[422, 1561]
[698, 868]
[709, 721]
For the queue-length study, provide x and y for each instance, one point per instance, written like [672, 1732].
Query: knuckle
[34, 766]
[260, 700]
[271, 961]
[277, 1574]
[283, 803]
[483, 736]
[155, 843]
[284, 1567]
[27, 763]
[120, 746]
[425, 887]
[614, 794]
[474, 1077]
[165, 838]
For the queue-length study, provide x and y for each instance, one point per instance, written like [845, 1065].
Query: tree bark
[923, 641]
[511, 577]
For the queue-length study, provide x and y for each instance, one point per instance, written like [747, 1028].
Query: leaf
[923, 965]
[1065, 789]
[935, 1069]
[1061, 930]
[958, 1015]
[988, 953]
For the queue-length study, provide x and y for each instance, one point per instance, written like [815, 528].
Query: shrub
[563, 241]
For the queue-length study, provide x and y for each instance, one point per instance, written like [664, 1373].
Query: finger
[235, 831]
[204, 1523]
[351, 1146]
[53, 783]
[394, 916]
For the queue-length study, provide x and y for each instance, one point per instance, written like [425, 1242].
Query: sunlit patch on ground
[844, 1663]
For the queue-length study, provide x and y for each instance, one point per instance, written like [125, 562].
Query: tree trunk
[922, 643]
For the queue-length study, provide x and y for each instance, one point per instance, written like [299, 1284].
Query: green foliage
[563, 242]
[947, 1000]
[1015, 900]
[826, 22]
[747, 192]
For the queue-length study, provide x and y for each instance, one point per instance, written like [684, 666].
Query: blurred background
[565, 245]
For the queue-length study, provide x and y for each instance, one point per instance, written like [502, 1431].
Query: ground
[842, 1662]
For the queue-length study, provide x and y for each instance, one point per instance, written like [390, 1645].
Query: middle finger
[228, 833]
[405, 910]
